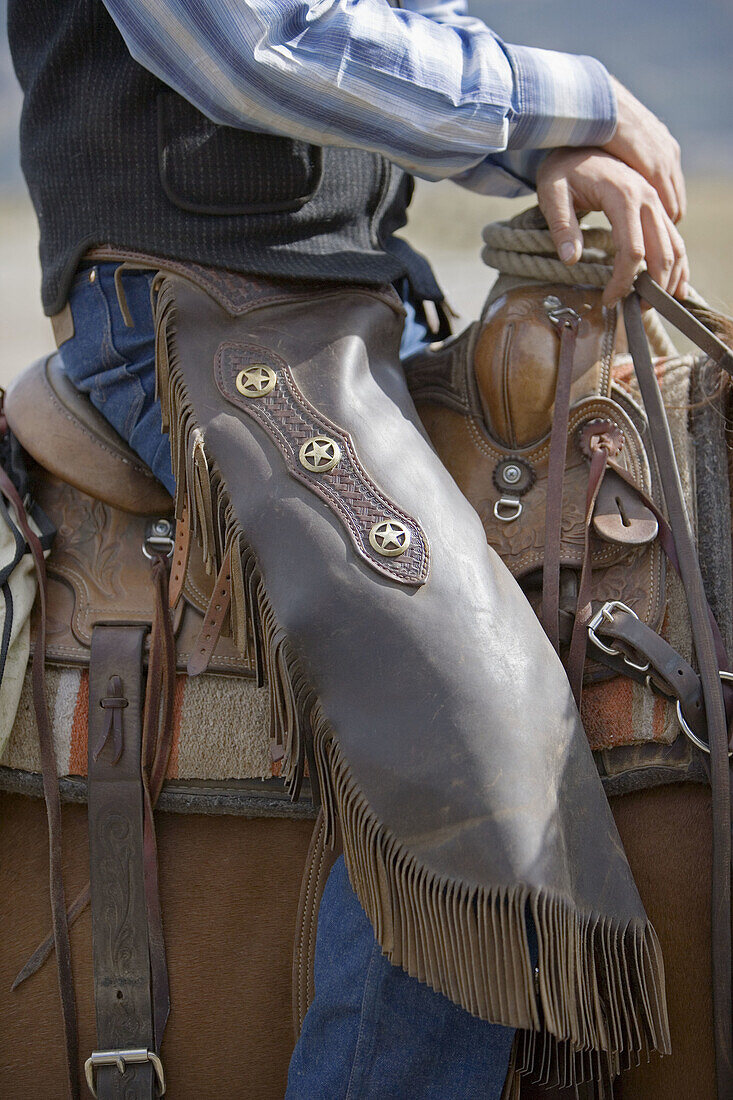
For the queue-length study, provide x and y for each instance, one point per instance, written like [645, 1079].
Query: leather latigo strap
[686, 322]
[707, 657]
[566, 322]
[398, 694]
[117, 875]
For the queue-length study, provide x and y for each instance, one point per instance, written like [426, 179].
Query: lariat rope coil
[524, 248]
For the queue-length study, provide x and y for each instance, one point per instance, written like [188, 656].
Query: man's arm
[432, 89]
[437, 92]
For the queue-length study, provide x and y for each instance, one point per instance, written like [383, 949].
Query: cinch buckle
[121, 1059]
[605, 614]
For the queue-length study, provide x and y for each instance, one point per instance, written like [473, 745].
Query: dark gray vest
[113, 156]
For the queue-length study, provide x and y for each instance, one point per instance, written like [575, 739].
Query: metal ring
[508, 503]
[159, 545]
[728, 676]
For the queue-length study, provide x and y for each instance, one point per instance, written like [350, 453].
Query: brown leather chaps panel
[406, 665]
[229, 892]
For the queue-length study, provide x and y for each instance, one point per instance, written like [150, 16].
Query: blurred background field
[676, 56]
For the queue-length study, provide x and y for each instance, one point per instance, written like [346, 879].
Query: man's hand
[569, 180]
[645, 143]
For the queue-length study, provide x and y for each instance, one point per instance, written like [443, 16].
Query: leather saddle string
[714, 709]
[567, 327]
[53, 800]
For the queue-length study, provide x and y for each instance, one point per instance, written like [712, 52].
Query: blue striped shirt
[422, 82]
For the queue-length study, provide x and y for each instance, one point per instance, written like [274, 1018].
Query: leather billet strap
[156, 745]
[707, 659]
[119, 917]
[628, 646]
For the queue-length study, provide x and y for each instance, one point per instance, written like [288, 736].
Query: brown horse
[230, 889]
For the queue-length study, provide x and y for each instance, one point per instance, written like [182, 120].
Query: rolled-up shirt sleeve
[431, 88]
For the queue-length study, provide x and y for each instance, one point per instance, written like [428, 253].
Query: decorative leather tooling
[321, 455]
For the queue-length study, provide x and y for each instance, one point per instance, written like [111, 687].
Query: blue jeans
[372, 1031]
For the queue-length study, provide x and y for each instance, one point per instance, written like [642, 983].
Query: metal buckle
[728, 676]
[605, 614]
[507, 509]
[121, 1059]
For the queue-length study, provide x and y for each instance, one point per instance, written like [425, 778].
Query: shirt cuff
[560, 99]
[508, 174]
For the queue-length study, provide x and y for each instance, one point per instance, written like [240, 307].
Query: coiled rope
[523, 248]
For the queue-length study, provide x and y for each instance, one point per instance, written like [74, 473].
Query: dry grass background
[445, 224]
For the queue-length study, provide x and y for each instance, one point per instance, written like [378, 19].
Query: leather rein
[701, 694]
[708, 658]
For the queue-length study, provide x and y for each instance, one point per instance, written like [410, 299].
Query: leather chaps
[408, 674]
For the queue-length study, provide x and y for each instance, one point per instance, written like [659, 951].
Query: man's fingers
[681, 190]
[641, 227]
[661, 255]
[628, 238]
[665, 188]
[556, 203]
[666, 257]
[680, 273]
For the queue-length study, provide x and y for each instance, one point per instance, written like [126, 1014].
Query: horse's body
[230, 889]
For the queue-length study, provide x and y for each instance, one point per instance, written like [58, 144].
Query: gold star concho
[256, 381]
[389, 537]
[319, 454]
